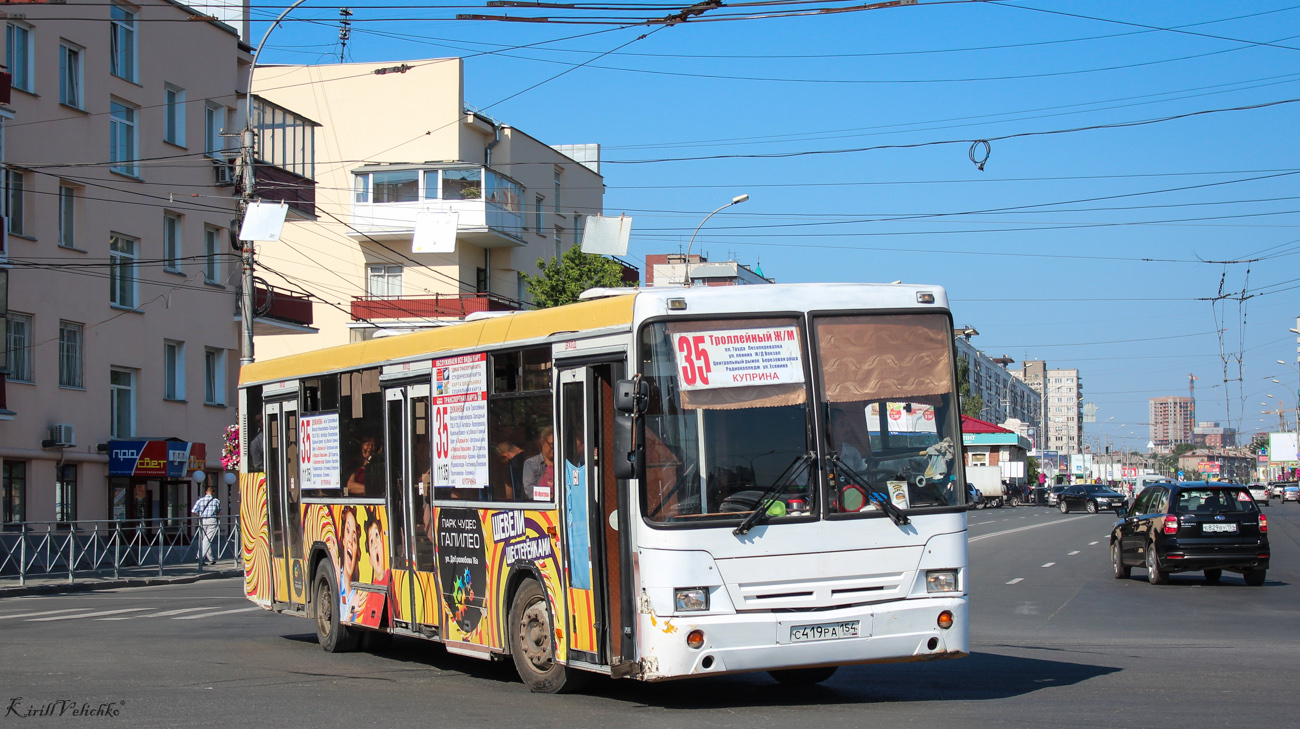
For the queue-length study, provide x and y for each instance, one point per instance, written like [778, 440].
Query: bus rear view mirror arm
[627, 448]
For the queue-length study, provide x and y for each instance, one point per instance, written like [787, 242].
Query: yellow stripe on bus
[583, 316]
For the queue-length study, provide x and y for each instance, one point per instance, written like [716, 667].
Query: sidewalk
[51, 584]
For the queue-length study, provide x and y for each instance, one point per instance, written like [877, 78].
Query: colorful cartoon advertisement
[462, 570]
[738, 358]
[318, 454]
[357, 538]
[460, 441]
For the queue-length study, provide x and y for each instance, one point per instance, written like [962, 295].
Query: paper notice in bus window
[460, 447]
[738, 358]
[318, 453]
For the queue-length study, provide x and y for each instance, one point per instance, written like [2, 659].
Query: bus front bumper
[903, 630]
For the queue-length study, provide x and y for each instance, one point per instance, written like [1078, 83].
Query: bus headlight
[941, 580]
[690, 599]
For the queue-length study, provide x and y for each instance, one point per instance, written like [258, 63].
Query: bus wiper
[779, 486]
[893, 512]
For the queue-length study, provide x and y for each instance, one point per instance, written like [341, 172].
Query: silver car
[1260, 492]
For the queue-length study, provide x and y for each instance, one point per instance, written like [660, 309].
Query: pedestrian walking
[206, 509]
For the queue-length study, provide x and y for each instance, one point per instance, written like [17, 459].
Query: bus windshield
[727, 421]
[886, 395]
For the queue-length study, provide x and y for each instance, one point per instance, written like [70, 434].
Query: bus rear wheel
[333, 637]
[803, 676]
[532, 644]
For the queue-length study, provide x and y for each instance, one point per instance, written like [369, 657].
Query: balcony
[436, 306]
[387, 198]
[277, 184]
[280, 312]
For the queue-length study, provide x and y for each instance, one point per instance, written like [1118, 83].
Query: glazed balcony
[387, 198]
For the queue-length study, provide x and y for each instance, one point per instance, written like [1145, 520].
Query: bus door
[409, 443]
[595, 518]
[284, 503]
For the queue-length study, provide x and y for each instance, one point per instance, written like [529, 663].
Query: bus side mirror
[631, 396]
[628, 452]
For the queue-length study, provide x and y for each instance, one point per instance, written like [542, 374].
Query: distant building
[1218, 464]
[1005, 396]
[1172, 420]
[1211, 435]
[1061, 393]
[671, 269]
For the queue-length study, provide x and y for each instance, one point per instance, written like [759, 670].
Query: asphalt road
[1056, 642]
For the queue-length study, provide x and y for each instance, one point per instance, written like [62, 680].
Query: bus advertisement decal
[462, 571]
[460, 422]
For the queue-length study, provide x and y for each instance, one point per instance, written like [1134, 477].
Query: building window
[559, 240]
[214, 376]
[13, 490]
[462, 184]
[18, 55]
[122, 139]
[393, 187]
[214, 121]
[174, 115]
[361, 188]
[539, 216]
[556, 202]
[70, 75]
[71, 337]
[481, 280]
[14, 201]
[172, 231]
[578, 228]
[121, 402]
[212, 255]
[173, 370]
[65, 493]
[384, 281]
[19, 344]
[431, 189]
[121, 271]
[122, 46]
[67, 216]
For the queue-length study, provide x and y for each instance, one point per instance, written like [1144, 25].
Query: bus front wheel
[532, 644]
[333, 637]
[803, 676]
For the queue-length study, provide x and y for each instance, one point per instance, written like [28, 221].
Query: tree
[971, 404]
[1031, 470]
[562, 279]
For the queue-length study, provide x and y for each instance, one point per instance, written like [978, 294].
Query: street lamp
[734, 201]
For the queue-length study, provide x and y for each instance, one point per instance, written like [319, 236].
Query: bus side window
[521, 435]
[361, 435]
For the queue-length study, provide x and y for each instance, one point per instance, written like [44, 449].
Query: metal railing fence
[98, 548]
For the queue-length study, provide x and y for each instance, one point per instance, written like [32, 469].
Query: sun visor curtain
[738, 398]
[893, 357]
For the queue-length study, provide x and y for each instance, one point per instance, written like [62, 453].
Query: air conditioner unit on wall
[63, 435]
[225, 173]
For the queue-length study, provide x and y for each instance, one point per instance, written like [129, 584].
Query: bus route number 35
[442, 443]
[694, 359]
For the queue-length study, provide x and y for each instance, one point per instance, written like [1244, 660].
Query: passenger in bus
[368, 461]
[539, 471]
[512, 476]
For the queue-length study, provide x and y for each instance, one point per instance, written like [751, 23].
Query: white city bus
[650, 484]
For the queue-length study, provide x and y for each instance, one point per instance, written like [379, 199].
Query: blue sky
[1042, 251]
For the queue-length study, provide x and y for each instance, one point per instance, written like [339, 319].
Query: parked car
[1090, 496]
[974, 499]
[1260, 492]
[1277, 488]
[1192, 526]
[1291, 492]
[1053, 492]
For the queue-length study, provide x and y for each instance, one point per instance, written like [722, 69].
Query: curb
[113, 584]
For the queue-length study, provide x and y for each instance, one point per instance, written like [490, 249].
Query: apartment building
[1006, 397]
[1061, 391]
[121, 336]
[396, 145]
[1211, 434]
[1173, 420]
[673, 269]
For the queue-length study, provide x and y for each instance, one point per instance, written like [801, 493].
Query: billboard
[1282, 447]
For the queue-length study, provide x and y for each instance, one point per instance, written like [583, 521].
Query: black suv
[1190, 526]
[1090, 496]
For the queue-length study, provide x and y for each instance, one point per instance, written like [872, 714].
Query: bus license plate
[1228, 528]
[823, 631]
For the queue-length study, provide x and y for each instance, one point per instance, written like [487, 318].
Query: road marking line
[43, 612]
[1021, 529]
[221, 612]
[1018, 579]
[1092, 544]
[88, 615]
[1071, 554]
[1049, 564]
[164, 614]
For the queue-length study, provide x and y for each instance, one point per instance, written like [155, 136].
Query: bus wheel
[532, 644]
[803, 676]
[333, 638]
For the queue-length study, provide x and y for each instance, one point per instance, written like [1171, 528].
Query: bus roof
[599, 314]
